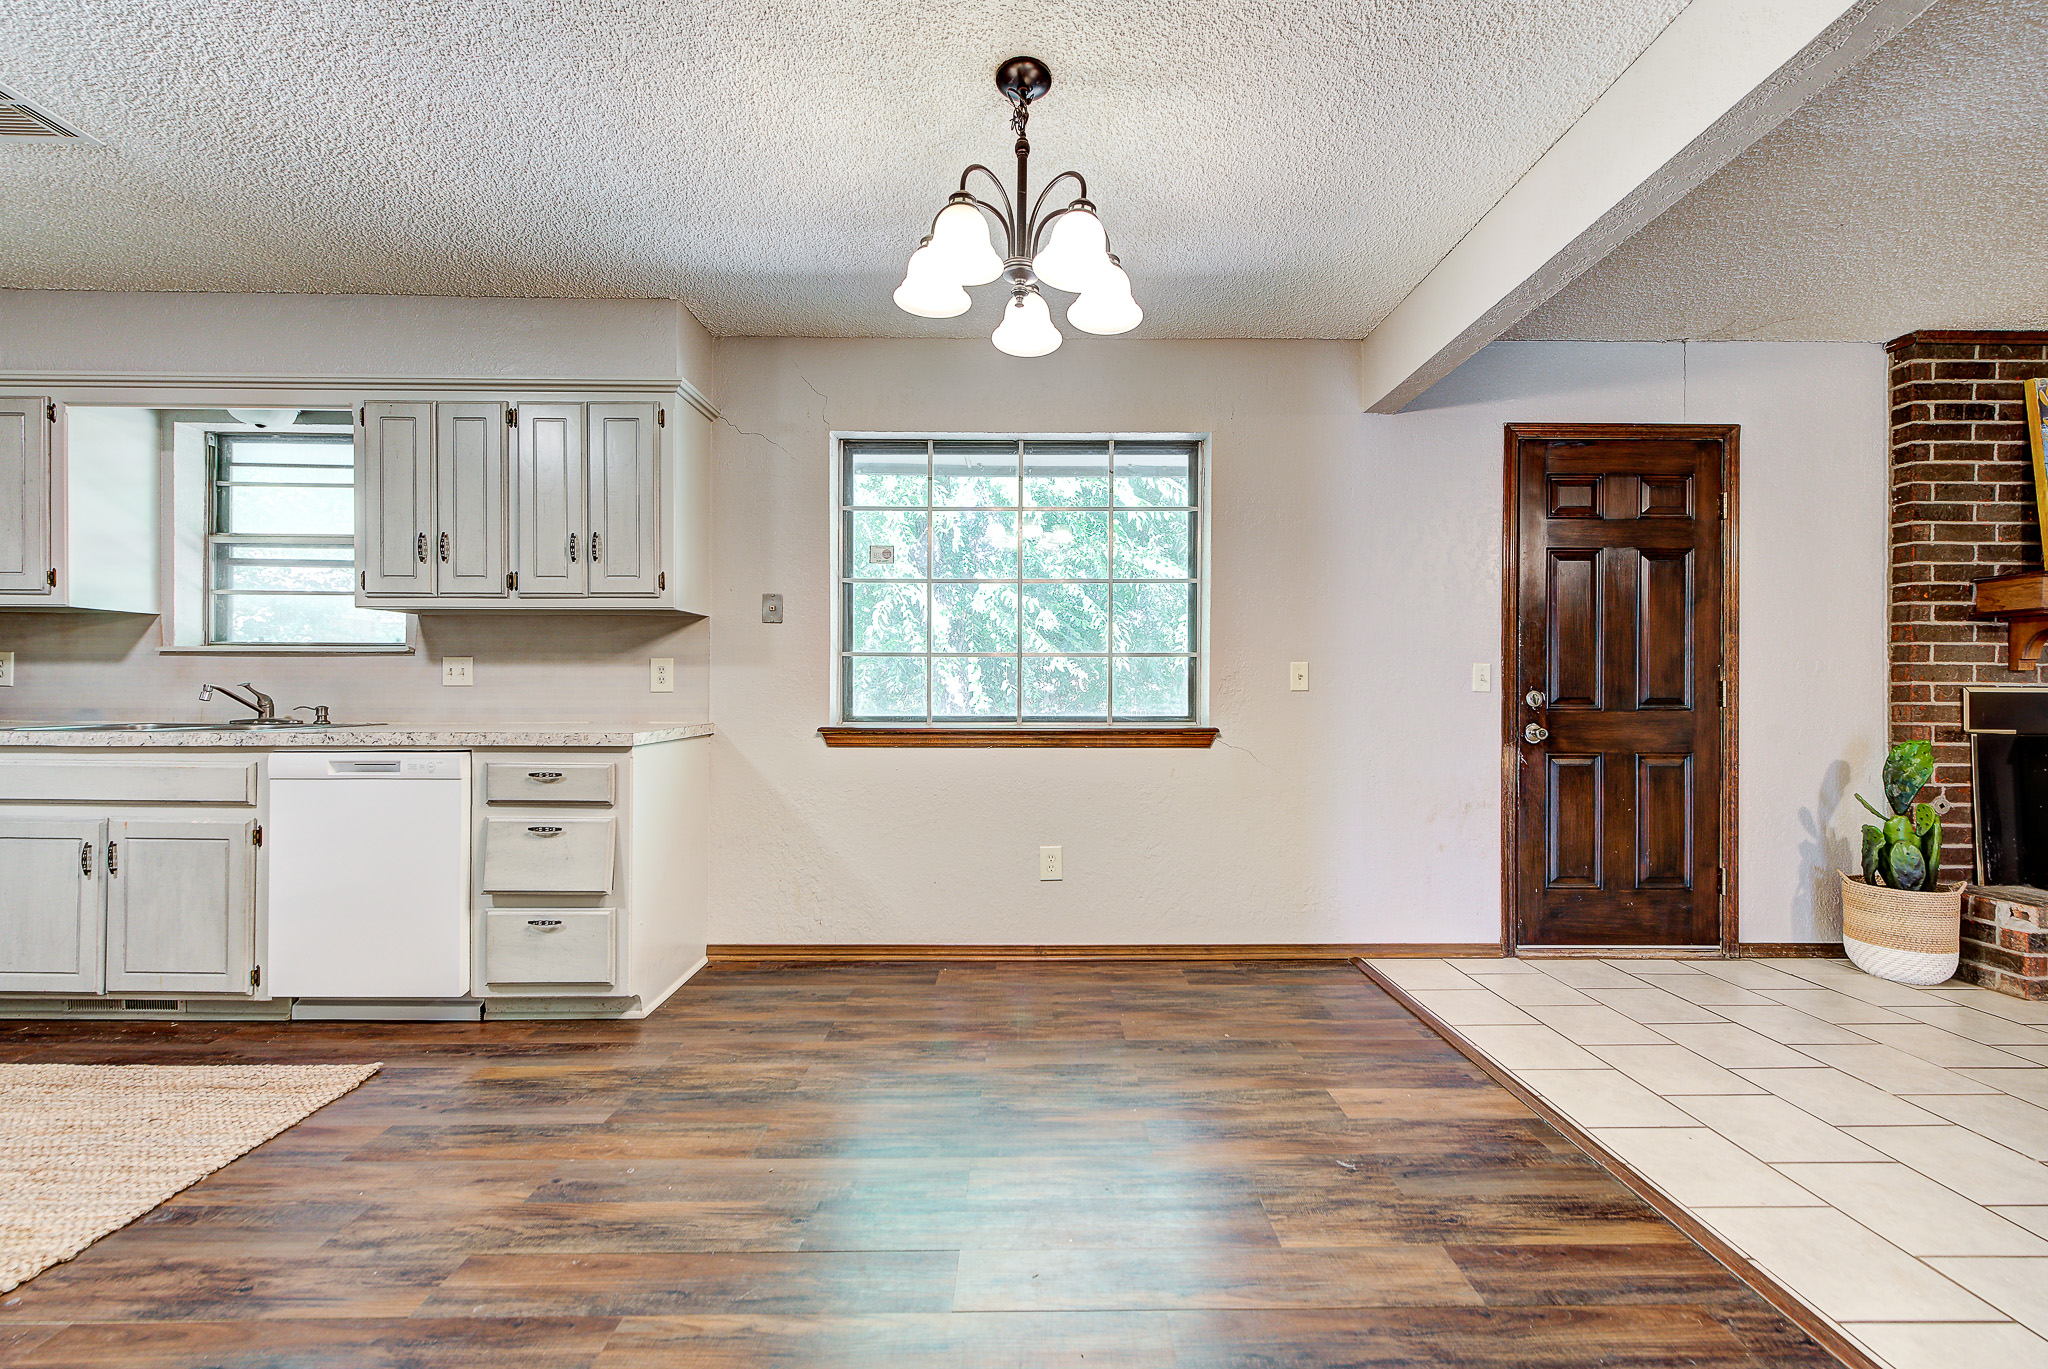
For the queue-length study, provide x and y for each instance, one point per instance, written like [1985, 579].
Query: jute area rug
[86, 1149]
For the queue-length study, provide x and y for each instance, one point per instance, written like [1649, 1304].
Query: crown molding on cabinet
[117, 383]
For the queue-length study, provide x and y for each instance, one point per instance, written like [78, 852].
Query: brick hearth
[1962, 510]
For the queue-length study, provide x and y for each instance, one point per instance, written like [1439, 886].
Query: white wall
[157, 333]
[1366, 810]
[555, 668]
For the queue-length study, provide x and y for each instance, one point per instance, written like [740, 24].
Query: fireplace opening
[2009, 756]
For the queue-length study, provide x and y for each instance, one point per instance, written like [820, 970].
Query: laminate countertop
[365, 737]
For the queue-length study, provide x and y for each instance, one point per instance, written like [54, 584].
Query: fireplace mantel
[2020, 600]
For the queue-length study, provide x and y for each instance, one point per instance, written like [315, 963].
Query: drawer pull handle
[544, 776]
[545, 831]
[546, 923]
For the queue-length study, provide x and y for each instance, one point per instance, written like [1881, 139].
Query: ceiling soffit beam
[1719, 77]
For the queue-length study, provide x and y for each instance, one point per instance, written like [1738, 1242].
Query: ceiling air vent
[20, 119]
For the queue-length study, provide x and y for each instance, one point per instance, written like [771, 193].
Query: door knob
[1535, 732]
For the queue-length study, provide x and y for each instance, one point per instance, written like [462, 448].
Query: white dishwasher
[369, 878]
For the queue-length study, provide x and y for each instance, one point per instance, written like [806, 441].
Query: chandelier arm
[1039, 226]
[1036, 224]
[994, 180]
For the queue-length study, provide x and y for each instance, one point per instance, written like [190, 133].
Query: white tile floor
[1881, 1151]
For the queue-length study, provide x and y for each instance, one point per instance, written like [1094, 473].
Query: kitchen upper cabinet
[430, 501]
[470, 547]
[553, 501]
[556, 504]
[395, 499]
[78, 507]
[624, 499]
[26, 564]
[180, 905]
[50, 936]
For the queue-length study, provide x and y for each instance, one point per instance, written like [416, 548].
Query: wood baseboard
[1770, 1290]
[1285, 950]
[1804, 950]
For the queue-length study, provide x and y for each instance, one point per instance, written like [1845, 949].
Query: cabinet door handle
[572, 548]
[444, 548]
[544, 776]
[596, 545]
[545, 831]
[85, 859]
[546, 924]
[113, 857]
[419, 547]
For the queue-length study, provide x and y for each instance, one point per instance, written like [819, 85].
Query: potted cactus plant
[1897, 922]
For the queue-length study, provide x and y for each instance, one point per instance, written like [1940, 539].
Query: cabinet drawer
[548, 855]
[546, 782]
[549, 946]
[80, 781]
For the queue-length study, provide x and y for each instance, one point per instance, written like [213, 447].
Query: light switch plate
[771, 608]
[1051, 864]
[661, 674]
[1482, 676]
[6, 669]
[1297, 675]
[458, 670]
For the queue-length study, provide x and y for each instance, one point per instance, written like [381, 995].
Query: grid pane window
[1047, 581]
[281, 544]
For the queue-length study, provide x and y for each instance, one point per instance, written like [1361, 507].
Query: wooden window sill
[1019, 736]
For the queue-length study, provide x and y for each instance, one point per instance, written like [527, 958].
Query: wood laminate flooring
[913, 1165]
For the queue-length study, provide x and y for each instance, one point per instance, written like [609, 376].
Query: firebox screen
[2012, 809]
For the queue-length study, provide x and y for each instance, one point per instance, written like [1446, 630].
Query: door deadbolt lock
[1534, 698]
[1535, 732]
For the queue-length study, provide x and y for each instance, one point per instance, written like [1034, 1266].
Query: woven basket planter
[1908, 936]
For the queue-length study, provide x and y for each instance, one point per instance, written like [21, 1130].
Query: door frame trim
[1729, 435]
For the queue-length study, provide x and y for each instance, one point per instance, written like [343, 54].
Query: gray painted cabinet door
[25, 496]
[179, 906]
[625, 504]
[395, 527]
[551, 499]
[469, 463]
[50, 915]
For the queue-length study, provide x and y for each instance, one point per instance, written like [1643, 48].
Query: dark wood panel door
[1618, 644]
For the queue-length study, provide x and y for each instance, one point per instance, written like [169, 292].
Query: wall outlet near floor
[1050, 863]
[1482, 677]
[661, 674]
[1297, 675]
[458, 670]
[6, 669]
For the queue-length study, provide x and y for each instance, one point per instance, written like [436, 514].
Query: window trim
[1194, 732]
[217, 440]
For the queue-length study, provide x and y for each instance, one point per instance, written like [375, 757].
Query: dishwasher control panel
[367, 765]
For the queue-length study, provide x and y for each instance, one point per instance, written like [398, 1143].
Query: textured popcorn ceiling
[1268, 167]
[1913, 193]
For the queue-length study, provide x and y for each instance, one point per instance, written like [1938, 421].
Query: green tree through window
[1020, 581]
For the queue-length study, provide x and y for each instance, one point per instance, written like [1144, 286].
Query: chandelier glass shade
[1064, 246]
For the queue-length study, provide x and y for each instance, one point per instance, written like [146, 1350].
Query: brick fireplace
[1962, 509]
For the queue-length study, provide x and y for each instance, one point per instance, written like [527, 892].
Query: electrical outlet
[1482, 677]
[661, 674]
[6, 669]
[1297, 675]
[771, 608]
[1050, 865]
[458, 670]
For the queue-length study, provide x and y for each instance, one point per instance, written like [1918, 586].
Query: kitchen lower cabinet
[179, 906]
[50, 937]
[129, 873]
